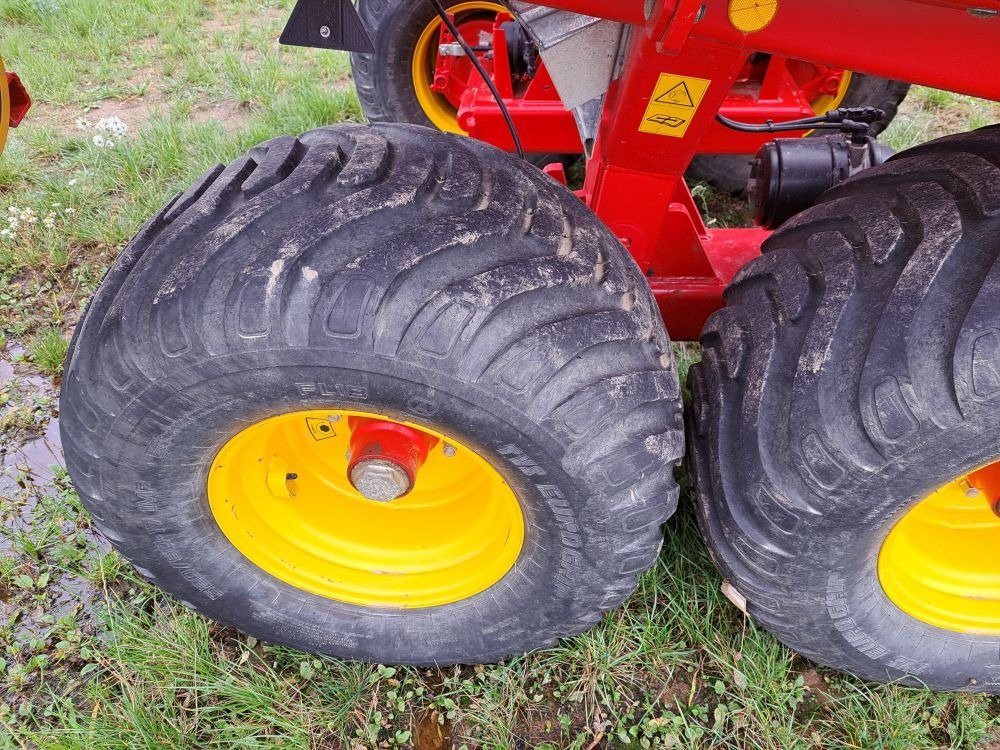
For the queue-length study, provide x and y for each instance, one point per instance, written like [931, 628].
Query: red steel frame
[634, 179]
[767, 91]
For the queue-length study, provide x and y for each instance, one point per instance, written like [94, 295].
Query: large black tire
[855, 369]
[384, 80]
[729, 173]
[485, 301]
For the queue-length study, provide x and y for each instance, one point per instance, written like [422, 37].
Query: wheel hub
[439, 94]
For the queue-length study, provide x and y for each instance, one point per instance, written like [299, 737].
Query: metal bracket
[328, 24]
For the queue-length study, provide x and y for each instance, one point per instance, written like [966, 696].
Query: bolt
[334, 418]
[324, 31]
[449, 450]
[831, 84]
[380, 480]
[289, 477]
[969, 490]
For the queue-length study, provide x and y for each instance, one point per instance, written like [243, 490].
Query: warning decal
[320, 429]
[674, 102]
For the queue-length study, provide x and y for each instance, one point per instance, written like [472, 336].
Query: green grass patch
[47, 349]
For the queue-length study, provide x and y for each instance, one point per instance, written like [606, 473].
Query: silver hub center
[380, 480]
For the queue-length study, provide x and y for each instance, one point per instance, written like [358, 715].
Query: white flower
[101, 142]
[49, 221]
[113, 125]
[6, 233]
[82, 123]
[70, 211]
[72, 182]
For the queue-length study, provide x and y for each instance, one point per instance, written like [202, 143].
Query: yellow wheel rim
[4, 106]
[940, 562]
[280, 492]
[438, 109]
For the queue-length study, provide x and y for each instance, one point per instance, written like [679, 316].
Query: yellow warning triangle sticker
[320, 429]
[673, 103]
[679, 95]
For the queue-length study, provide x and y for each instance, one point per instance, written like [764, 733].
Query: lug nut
[449, 450]
[380, 480]
[969, 490]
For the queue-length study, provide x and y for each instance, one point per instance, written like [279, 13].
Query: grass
[47, 349]
[93, 657]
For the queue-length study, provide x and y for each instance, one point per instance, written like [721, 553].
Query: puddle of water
[34, 513]
[36, 460]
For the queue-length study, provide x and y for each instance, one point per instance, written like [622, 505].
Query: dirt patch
[223, 22]
[135, 112]
[430, 733]
[231, 115]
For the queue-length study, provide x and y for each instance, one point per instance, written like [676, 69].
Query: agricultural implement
[393, 394]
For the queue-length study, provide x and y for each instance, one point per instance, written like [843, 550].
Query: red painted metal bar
[635, 180]
[947, 45]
